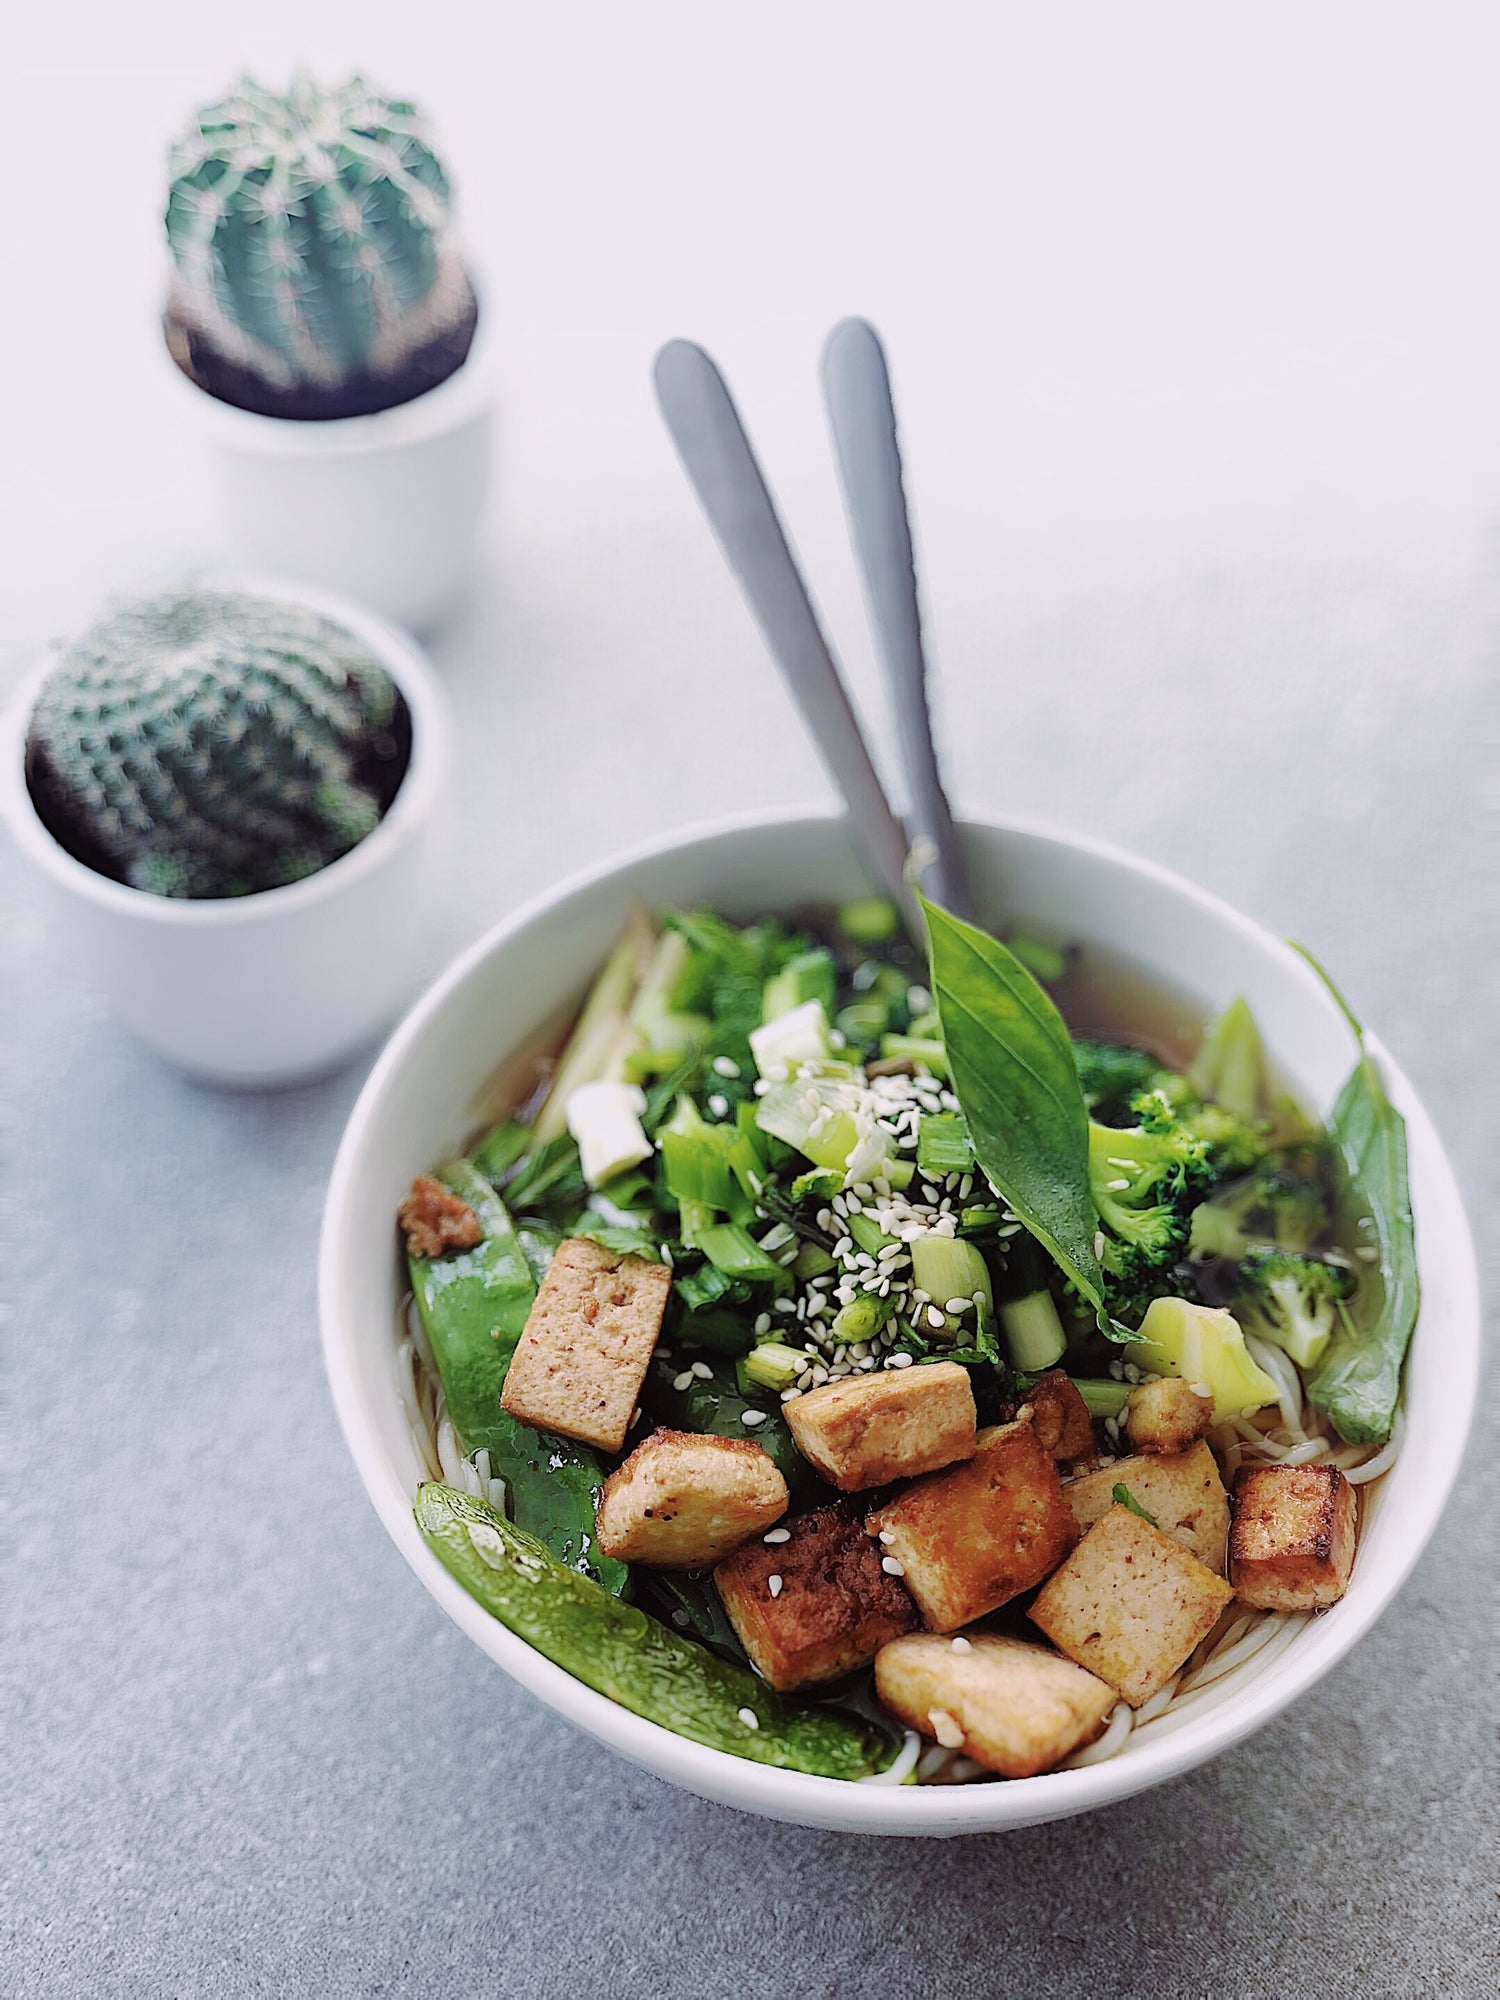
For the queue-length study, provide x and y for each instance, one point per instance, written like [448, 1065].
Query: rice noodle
[1288, 1432]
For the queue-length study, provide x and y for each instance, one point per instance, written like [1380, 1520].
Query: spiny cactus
[210, 743]
[317, 270]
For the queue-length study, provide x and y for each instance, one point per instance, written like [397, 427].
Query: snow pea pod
[474, 1307]
[645, 1667]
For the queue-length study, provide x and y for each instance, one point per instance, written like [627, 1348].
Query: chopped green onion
[1033, 1332]
[861, 1319]
[1122, 1496]
[943, 1144]
[869, 920]
[1102, 1398]
[949, 1267]
[770, 1366]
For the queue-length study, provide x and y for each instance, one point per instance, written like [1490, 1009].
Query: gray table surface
[243, 1753]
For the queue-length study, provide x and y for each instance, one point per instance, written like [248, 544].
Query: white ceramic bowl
[278, 987]
[420, 1102]
[383, 508]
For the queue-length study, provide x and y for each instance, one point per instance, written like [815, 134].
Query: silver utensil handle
[718, 458]
[862, 416]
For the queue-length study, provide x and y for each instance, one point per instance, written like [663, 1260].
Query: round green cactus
[209, 743]
[315, 255]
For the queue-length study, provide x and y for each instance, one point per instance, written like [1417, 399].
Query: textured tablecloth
[1192, 317]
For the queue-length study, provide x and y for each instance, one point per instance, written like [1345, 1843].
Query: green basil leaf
[1014, 1075]
[1358, 1382]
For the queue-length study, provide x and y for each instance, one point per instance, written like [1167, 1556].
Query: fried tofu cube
[1059, 1415]
[1130, 1604]
[870, 1429]
[976, 1535]
[1014, 1707]
[1292, 1543]
[681, 1501]
[816, 1605]
[1167, 1414]
[1183, 1493]
[588, 1339]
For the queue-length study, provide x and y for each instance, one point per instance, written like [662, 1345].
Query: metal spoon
[862, 416]
[719, 460]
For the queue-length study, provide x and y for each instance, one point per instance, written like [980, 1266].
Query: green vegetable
[1274, 1207]
[1294, 1302]
[861, 1319]
[1358, 1383]
[949, 1267]
[869, 920]
[1033, 1332]
[618, 1650]
[769, 1366]
[712, 1326]
[500, 1148]
[1230, 1068]
[1042, 961]
[1110, 1074]
[1014, 1075]
[690, 1603]
[1200, 1344]
[943, 1144]
[474, 1307]
[1122, 1496]
[737, 1254]
[808, 976]
[1102, 1398]
[925, 1049]
[716, 1408]
[1145, 1185]
[602, 1034]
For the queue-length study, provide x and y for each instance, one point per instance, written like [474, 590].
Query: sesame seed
[750, 1719]
[961, 1644]
[935, 1318]
[959, 1305]
[684, 1380]
[785, 1306]
[725, 1066]
[762, 1322]
[703, 1372]
[718, 1104]
[751, 1417]
[773, 1584]
[1116, 1187]
[776, 1537]
[899, 1361]
[892, 1567]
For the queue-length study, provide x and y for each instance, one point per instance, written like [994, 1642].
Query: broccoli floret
[1111, 1073]
[1293, 1301]
[1274, 1207]
[1145, 1181]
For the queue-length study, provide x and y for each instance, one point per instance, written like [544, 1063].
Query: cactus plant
[317, 269]
[210, 743]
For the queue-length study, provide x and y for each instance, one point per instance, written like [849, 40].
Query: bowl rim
[913, 1811]
[415, 796]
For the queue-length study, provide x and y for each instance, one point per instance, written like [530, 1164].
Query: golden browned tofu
[1167, 1415]
[1013, 1707]
[1292, 1544]
[1130, 1604]
[1183, 1493]
[681, 1501]
[869, 1429]
[1059, 1416]
[818, 1604]
[971, 1538]
[583, 1354]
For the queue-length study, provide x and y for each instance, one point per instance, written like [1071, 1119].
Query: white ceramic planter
[420, 1102]
[278, 987]
[384, 508]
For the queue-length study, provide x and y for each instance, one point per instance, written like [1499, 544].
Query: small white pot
[383, 508]
[281, 986]
[423, 1099]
